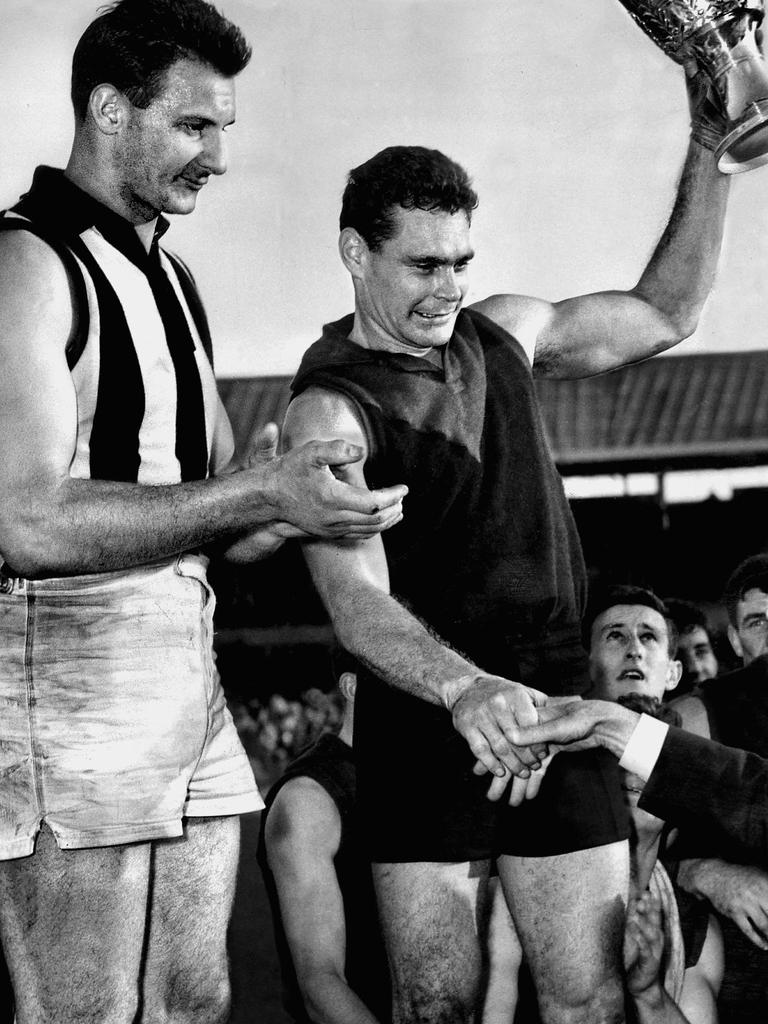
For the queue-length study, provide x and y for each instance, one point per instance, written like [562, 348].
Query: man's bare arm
[589, 334]
[52, 524]
[303, 833]
[352, 579]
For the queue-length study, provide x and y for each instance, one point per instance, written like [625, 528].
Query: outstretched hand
[308, 495]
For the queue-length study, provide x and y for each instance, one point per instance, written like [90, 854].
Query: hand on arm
[352, 578]
[54, 524]
[739, 891]
[303, 832]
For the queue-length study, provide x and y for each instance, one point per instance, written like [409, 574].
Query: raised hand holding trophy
[722, 38]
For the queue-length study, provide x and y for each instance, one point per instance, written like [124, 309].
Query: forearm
[681, 271]
[329, 1000]
[699, 875]
[82, 526]
[656, 1006]
[395, 645]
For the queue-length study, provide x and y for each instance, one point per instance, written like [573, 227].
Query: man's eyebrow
[753, 616]
[440, 261]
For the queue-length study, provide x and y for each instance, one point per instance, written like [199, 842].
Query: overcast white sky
[571, 122]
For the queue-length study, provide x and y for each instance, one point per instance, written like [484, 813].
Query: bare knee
[190, 997]
[426, 1003]
[101, 1004]
[603, 1005]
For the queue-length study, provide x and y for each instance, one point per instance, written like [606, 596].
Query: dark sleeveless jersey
[487, 552]
[140, 356]
[330, 763]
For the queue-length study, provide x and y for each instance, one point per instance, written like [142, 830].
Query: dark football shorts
[420, 801]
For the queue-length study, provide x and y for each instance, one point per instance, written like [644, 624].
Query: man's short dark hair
[132, 43]
[626, 593]
[686, 615]
[751, 574]
[411, 177]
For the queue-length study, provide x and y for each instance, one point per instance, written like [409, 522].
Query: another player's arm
[352, 578]
[52, 524]
[702, 981]
[302, 835]
[590, 334]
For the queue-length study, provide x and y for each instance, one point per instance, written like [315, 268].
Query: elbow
[29, 547]
[683, 324]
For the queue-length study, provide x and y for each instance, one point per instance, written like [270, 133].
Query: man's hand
[738, 891]
[486, 711]
[708, 119]
[643, 945]
[521, 788]
[310, 499]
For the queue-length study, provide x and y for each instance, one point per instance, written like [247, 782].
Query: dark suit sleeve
[698, 783]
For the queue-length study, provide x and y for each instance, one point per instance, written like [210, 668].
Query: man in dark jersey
[478, 594]
[318, 880]
[733, 709]
[121, 773]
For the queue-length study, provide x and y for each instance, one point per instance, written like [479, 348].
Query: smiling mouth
[194, 183]
[632, 673]
[434, 316]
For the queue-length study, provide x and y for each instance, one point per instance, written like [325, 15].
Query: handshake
[565, 724]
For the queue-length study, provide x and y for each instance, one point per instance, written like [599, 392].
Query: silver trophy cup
[721, 36]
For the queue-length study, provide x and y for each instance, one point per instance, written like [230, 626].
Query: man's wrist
[614, 727]
[453, 690]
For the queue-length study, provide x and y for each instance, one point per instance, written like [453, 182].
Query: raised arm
[352, 579]
[53, 524]
[590, 334]
[302, 836]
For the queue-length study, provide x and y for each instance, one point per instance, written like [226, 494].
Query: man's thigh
[432, 915]
[72, 925]
[569, 914]
[193, 878]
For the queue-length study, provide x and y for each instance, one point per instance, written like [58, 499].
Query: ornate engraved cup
[721, 36]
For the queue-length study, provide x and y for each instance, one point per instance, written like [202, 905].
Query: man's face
[750, 637]
[168, 150]
[411, 289]
[629, 653]
[694, 652]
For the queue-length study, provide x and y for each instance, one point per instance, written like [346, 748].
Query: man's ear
[107, 107]
[735, 640]
[353, 250]
[674, 674]
[348, 685]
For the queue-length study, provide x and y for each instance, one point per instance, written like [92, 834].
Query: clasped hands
[488, 713]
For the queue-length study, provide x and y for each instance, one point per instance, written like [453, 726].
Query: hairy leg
[72, 925]
[569, 913]
[186, 977]
[430, 915]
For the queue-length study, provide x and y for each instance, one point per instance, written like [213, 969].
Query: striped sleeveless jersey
[147, 404]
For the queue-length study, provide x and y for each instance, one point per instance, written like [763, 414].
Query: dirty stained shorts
[113, 722]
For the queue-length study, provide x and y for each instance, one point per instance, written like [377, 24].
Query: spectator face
[749, 638]
[694, 652]
[629, 653]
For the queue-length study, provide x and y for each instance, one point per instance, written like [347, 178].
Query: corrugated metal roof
[676, 412]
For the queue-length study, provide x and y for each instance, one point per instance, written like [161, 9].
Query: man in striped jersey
[121, 774]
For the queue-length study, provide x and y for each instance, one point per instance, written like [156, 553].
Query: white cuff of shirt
[642, 751]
